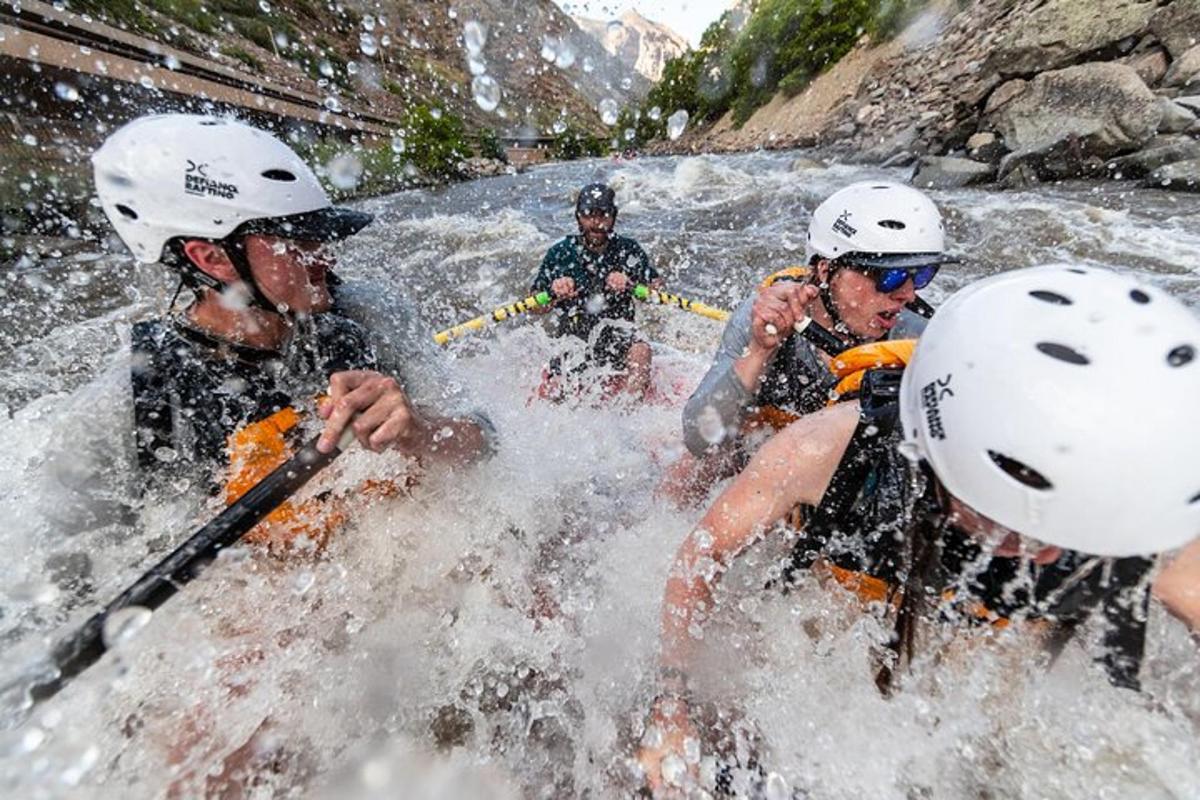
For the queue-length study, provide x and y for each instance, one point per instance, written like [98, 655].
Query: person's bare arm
[794, 467]
[1178, 586]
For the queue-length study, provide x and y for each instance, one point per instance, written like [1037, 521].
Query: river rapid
[492, 631]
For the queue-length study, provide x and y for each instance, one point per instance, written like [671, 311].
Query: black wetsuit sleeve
[153, 418]
[1124, 612]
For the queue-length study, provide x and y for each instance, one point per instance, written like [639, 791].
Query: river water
[492, 632]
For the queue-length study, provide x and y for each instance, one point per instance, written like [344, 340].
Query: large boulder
[943, 172]
[1177, 26]
[1175, 118]
[1183, 176]
[1185, 71]
[1062, 32]
[1068, 121]
[1160, 152]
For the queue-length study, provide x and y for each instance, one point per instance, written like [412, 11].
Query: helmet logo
[196, 182]
[931, 397]
[842, 225]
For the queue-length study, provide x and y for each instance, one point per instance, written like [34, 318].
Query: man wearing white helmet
[994, 475]
[245, 223]
[870, 247]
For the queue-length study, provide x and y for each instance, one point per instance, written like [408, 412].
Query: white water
[493, 634]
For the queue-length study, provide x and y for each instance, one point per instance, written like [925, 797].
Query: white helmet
[1061, 402]
[886, 224]
[184, 175]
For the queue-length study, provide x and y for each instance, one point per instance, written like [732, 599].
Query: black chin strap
[826, 294]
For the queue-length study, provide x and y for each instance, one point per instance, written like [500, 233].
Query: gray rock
[1151, 65]
[1072, 118]
[1175, 117]
[1177, 26]
[903, 141]
[1183, 176]
[1016, 175]
[1061, 31]
[901, 159]
[1161, 151]
[1190, 102]
[1185, 72]
[1004, 93]
[986, 146]
[944, 172]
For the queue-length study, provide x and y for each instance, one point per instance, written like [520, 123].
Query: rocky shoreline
[1005, 92]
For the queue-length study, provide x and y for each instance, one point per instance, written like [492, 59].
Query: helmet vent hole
[1019, 472]
[127, 212]
[1195, 499]
[1063, 353]
[1050, 297]
[1184, 354]
[279, 175]
[1138, 296]
[209, 122]
[892, 224]
[1077, 271]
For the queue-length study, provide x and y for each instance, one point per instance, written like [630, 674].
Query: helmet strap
[825, 292]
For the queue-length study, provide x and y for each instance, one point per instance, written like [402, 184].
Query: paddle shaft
[810, 329]
[496, 315]
[85, 647]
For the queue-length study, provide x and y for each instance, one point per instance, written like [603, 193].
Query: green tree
[435, 141]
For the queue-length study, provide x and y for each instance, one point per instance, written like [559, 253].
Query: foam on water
[492, 632]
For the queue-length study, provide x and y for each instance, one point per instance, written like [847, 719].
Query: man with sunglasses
[245, 224]
[870, 247]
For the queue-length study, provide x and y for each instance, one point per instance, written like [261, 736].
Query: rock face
[1177, 26]
[1185, 72]
[940, 172]
[1060, 32]
[1067, 117]
[637, 42]
[1181, 176]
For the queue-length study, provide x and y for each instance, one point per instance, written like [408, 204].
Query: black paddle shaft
[822, 338]
[75, 654]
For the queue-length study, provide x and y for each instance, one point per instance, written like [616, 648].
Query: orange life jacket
[258, 448]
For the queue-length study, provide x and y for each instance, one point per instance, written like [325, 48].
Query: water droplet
[304, 580]
[777, 787]
[344, 171]
[549, 49]
[352, 68]
[476, 66]
[630, 133]
[626, 83]
[124, 624]
[367, 44]
[81, 766]
[325, 68]
[32, 740]
[486, 92]
[146, 82]
[436, 113]
[452, 13]
[655, 113]
[474, 37]
[171, 62]
[368, 23]
[674, 770]
[676, 123]
[588, 66]
[66, 91]
[29, 139]
[264, 6]
[281, 40]
[609, 111]
[331, 103]
[398, 144]
[566, 56]
[559, 126]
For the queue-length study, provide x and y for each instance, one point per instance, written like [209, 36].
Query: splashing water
[609, 111]
[367, 44]
[493, 630]
[677, 123]
[486, 92]
[474, 37]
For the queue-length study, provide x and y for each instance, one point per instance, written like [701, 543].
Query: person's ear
[211, 259]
